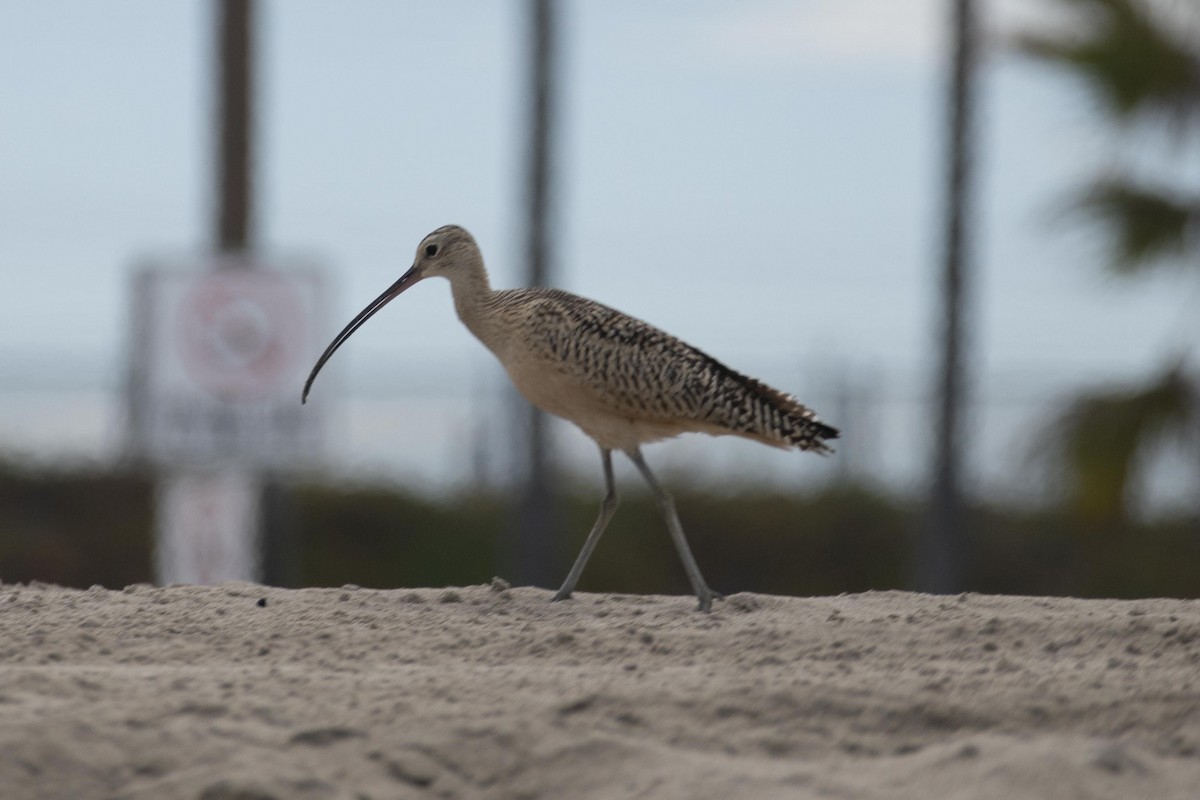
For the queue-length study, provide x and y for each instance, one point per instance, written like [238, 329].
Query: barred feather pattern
[644, 373]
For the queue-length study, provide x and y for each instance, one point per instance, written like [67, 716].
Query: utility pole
[941, 545]
[536, 540]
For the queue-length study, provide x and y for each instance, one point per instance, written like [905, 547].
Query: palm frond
[1128, 57]
[1100, 441]
[1148, 227]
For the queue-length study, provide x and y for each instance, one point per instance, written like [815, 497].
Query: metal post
[235, 125]
[941, 547]
[536, 556]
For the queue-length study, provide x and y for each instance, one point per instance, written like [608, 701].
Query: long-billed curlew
[622, 381]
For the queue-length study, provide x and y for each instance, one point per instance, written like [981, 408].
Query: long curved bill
[393, 291]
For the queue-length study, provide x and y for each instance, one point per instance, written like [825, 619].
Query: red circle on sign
[239, 332]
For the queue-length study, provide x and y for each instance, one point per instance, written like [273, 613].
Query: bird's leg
[666, 506]
[607, 507]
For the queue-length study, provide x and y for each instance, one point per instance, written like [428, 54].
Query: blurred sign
[207, 527]
[218, 360]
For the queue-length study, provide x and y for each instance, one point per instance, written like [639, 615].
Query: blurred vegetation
[80, 528]
[75, 528]
[1140, 60]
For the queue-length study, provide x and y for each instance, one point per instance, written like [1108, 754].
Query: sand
[246, 692]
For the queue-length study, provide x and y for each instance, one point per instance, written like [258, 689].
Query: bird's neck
[471, 290]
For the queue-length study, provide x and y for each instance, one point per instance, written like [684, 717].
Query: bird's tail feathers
[789, 422]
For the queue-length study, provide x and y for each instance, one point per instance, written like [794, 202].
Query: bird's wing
[645, 373]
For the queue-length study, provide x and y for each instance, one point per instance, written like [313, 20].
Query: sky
[760, 178]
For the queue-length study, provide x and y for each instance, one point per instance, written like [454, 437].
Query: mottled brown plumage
[642, 374]
[622, 381]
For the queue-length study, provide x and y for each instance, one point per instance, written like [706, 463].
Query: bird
[620, 380]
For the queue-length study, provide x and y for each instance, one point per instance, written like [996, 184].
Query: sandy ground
[243, 692]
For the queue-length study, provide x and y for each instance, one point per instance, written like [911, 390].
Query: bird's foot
[561, 594]
[706, 598]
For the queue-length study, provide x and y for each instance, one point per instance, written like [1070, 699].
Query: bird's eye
[431, 250]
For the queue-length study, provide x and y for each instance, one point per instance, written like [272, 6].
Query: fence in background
[447, 427]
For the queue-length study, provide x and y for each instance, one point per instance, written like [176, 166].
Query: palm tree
[1140, 59]
[1103, 440]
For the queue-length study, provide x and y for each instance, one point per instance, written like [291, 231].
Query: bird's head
[444, 253]
[447, 252]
